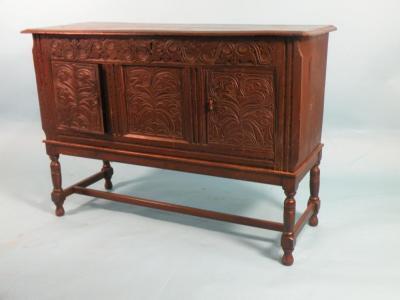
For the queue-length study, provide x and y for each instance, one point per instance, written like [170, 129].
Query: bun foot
[60, 211]
[108, 173]
[108, 185]
[287, 259]
[313, 221]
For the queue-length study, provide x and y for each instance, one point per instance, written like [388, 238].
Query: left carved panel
[77, 97]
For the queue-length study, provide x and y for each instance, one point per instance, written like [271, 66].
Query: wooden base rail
[83, 183]
[290, 228]
[181, 209]
[304, 218]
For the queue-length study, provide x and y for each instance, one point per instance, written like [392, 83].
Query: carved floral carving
[243, 109]
[178, 50]
[77, 99]
[154, 101]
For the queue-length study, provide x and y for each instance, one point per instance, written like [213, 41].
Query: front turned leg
[314, 191]
[288, 238]
[57, 195]
[108, 173]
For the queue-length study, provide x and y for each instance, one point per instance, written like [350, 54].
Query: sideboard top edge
[141, 29]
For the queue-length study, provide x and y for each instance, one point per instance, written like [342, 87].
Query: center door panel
[155, 106]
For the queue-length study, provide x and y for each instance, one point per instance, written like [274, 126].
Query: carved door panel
[77, 97]
[241, 111]
[156, 105]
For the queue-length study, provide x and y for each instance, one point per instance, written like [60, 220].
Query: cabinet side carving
[185, 51]
[154, 101]
[243, 109]
[77, 97]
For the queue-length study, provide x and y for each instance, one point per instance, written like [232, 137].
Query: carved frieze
[162, 50]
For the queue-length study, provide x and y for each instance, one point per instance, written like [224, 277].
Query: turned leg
[108, 172]
[288, 238]
[314, 191]
[57, 195]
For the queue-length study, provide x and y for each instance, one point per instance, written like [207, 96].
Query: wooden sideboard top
[105, 28]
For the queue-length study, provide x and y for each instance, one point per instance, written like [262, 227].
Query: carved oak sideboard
[237, 101]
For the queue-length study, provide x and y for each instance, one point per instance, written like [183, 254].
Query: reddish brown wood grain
[237, 101]
[130, 29]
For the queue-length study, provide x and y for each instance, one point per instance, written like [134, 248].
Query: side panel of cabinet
[309, 70]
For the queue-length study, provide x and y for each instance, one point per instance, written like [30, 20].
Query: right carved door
[240, 118]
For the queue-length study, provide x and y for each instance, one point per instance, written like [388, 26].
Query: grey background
[110, 250]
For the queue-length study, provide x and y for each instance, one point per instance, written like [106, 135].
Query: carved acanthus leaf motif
[154, 101]
[179, 50]
[77, 99]
[243, 114]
